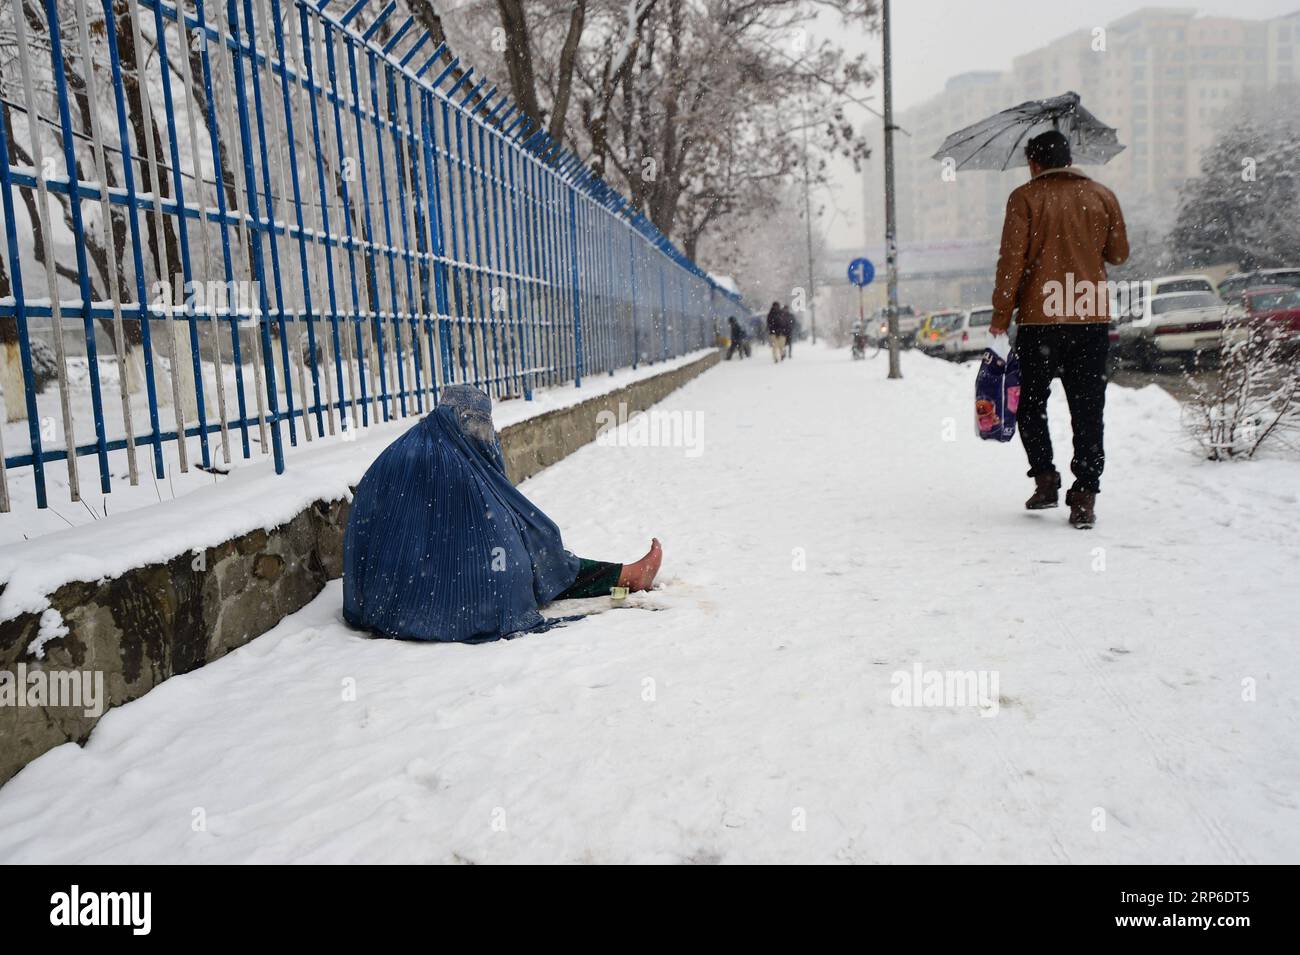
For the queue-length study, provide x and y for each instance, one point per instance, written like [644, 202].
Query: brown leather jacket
[1061, 227]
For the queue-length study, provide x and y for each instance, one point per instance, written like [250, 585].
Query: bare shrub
[1250, 398]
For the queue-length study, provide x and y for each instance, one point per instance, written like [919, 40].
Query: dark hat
[1051, 150]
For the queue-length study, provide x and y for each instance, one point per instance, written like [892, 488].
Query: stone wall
[164, 619]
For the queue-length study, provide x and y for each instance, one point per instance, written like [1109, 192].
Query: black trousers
[1077, 355]
[595, 579]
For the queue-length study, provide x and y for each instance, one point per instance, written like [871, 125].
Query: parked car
[969, 335]
[877, 330]
[929, 337]
[1171, 324]
[1169, 284]
[1124, 307]
[1276, 309]
[908, 323]
[1234, 286]
[1115, 357]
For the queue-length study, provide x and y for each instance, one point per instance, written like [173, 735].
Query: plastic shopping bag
[997, 392]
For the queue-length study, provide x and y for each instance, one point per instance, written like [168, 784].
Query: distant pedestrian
[1061, 229]
[791, 326]
[739, 341]
[776, 331]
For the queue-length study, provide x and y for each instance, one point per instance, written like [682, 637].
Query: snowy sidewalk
[836, 530]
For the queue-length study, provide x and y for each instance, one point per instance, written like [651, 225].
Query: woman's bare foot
[641, 575]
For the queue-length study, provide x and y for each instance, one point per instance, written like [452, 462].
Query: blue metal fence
[261, 187]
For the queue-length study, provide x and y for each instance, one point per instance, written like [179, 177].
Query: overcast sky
[936, 39]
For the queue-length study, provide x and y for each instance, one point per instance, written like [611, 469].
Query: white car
[1130, 303]
[1234, 287]
[1168, 284]
[969, 336]
[908, 323]
[1172, 324]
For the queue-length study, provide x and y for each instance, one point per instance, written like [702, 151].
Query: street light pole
[891, 235]
[807, 214]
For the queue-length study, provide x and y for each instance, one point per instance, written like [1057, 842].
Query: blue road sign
[861, 272]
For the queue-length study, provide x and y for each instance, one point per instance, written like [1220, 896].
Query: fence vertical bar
[254, 235]
[133, 224]
[51, 277]
[377, 120]
[327, 252]
[407, 172]
[502, 275]
[612, 341]
[228, 269]
[577, 305]
[20, 318]
[182, 231]
[115, 292]
[229, 61]
[187, 81]
[555, 237]
[663, 311]
[345, 164]
[303, 262]
[429, 140]
[538, 291]
[457, 275]
[483, 253]
[523, 275]
[272, 231]
[631, 258]
[471, 314]
[546, 257]
[421, 326]
[78, 234]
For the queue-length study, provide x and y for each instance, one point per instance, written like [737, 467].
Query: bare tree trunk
[667, 188]
[568, 58]
[519, 57]
[613, 74]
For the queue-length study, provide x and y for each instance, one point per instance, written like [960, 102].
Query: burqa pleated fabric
[440, 545]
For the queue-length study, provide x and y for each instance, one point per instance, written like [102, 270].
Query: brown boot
[1081, 504]
[1047, 491]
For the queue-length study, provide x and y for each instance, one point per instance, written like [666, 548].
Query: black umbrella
[999, 141]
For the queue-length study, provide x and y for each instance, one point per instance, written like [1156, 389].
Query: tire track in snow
[1156, 745]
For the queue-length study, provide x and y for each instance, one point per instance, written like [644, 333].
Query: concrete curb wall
[537, 443]
[128, 634]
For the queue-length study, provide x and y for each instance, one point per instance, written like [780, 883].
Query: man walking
[776, 331]
[1061, 229]
[738, 341]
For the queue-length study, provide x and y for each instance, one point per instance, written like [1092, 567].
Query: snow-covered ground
[834, 532]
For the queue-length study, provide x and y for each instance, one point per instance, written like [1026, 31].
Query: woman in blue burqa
[440, 545]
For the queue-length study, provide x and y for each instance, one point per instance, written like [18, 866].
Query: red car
[1277, 306]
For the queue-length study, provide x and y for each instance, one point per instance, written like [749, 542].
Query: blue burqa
[440, 545]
